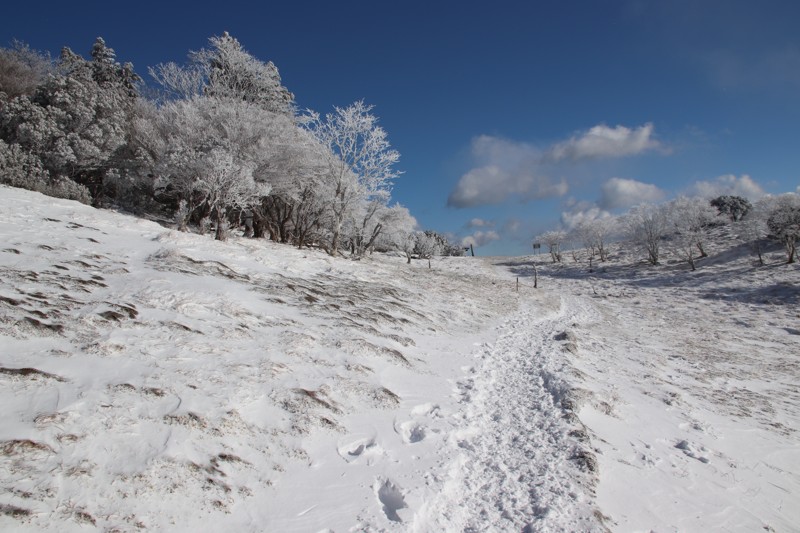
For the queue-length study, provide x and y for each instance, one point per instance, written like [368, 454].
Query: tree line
[684, 225]
[218, 143]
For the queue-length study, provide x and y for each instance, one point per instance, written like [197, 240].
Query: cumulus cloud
[582, 212]
[603, 141]
[505, 169]
[728, 184]
[620, 192]
[480, 238]
[508, 170]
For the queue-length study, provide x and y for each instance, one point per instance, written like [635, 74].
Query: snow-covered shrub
[22, 169]
[62, 187]
[19, 168]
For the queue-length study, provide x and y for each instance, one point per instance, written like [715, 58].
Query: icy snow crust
[156, 380]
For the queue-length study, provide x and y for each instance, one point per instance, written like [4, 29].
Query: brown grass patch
[29, 372]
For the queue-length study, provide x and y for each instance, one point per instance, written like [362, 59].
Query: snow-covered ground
[156, 380]
[691, 390]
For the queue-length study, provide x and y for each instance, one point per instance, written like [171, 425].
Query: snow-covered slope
[159, 380]
[156, 380]
[691, 387]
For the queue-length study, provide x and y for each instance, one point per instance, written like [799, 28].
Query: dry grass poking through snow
[158, 380]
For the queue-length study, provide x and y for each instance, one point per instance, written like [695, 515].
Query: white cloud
[480, 223]
[583, 212]
[505, 169]
[620, 192]
[479, 238]
[603, 141]
[728, 184]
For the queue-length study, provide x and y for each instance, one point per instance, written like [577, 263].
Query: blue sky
[510, 117]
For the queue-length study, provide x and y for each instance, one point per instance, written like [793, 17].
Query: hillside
[157, 380]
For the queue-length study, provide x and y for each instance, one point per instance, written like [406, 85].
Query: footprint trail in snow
[519, 463]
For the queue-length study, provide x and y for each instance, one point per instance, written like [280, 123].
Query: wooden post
[472, 250]
[517, 284]
[535, 276]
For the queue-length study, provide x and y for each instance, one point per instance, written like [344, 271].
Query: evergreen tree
[73, 123]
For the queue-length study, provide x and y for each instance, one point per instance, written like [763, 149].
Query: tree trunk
[220, 233]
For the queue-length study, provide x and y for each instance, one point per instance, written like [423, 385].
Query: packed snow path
[519, 464]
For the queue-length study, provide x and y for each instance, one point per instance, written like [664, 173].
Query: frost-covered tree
[73, 123]
[554, 240]
[784, 222]
[691, 219]
[236, 138]
[646, 226]
[359, 169]
[225, 70]
[294, 211]
[426, 245]
[399, 225]
[245, 108]
[753, 227]
[233, 73]
[444, 246]
[733, 207]
[225, 183]
[22, 70]
[596, 235]
[109, 74]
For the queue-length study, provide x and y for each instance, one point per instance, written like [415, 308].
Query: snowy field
[162, 381]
